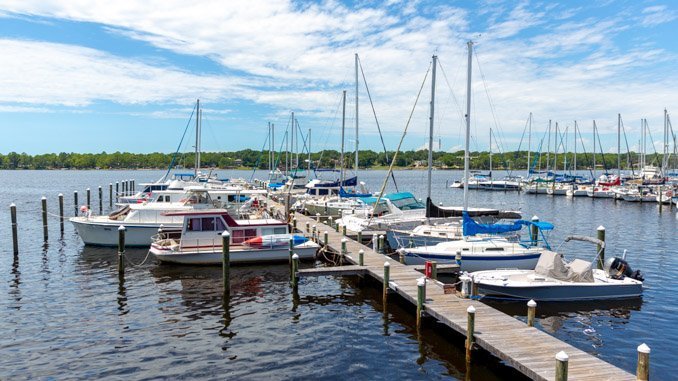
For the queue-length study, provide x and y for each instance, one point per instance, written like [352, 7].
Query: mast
[555, 157]
[490, 155]
[529, 143]
[273, 166]
[197, 139]
[548, 151]
[293, 141]
[575, 148]
[665, 157]
[619, 146]
[308, 171]
[594, 150]
[565, 151]
[343, 127]
[270, 162]
[468, 123]
[430, 128]
[355, 165]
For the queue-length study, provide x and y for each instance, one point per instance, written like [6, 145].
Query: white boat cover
[552, 265]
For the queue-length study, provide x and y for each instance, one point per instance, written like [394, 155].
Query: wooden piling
[317, 217]
[75, 203]
[295, 269]
[601, 249]
[401, 257]
[534, 231]
[15, 235]
[44, 217]
[531, 310]
[561, 366]
[375, 243]
[121, 251]
[387, 276]
[361, 257]
[643, 367]
[421, 297]
[89, 196]
[381, 244]
[360, 237]
[326, 240]
[294, 225]
[124, 188]
[61, 212]
[117, 191]
[110, 195]
[101, 201]
[470, 327]
[434, 270]
[308, 226]
[226, 261]
[313, 233]
[343, 230]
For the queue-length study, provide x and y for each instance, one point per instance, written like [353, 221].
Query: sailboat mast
[665, 157]
[270, 145]
[468, 124]
[594, 149]
[294, 163]
[619, 146]
[555, 154]
[575, 147]
[529, 143]
[430, 128]
[197, 139]
[490, 154]
[355, 165]
[273, 146]
[343, 127]
[308, 171]
[548, 151]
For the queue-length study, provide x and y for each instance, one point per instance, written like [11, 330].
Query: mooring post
[317, 217]
[434, 270]
[287, 207]
[336, 226]
[226, 261]
[561, 366]
[470, 328]
[121, 250]
[330, 222]
[101, 201]
[531, 309]
[361, 257]
[133, 187]
[295, 270]
[89, 197]
[308, 227]
[110, 195]
[117, 191]
[360, 236]
[15, 236]
[313, 237]
[534, 230]
[387, 276]
[421, 297]
[375, 243]
[343, 230]
[643, 368]
[401, 256]
[294, 225]
[75, 203]
[291, 248]
[326, 238]
[381, 244]
[344, 251]
[44, 217]
[601, 249]
[61, 212]
[457, 258]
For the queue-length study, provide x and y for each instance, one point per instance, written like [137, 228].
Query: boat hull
[106, 234]
[239, 255]
[569, 293]
[477, 262]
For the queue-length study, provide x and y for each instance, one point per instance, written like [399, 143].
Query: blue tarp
[470, 227]
[343, 193]
[391, 196]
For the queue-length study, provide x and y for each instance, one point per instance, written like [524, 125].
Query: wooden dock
[501, 335]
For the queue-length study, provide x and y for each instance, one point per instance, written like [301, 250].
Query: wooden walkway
[503, 336]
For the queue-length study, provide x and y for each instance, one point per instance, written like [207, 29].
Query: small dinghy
[553, 279]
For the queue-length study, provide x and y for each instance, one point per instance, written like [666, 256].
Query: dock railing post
[313, 236]
[61, 212]
[121, 251]
[75, 203]
[561, 366]
[601, 249]
[43, 201]
[421, 298]
[643, 368]
[226, 261]
[531, 310]
[295, 270]
[15, 236]
[387, 279]
[534, 231]
[470, 328]
[361, 257]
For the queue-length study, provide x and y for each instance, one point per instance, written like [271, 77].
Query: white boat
[601, 192]
[558, 189]
[555, 280]
[250, 241]
[578, 190]
[142, 221]
[536, 186]
[500, 185]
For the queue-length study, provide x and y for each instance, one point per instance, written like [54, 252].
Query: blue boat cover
[390, 196]
[343, 193]
[470, 227]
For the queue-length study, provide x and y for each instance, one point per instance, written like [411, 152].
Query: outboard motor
[618, 268]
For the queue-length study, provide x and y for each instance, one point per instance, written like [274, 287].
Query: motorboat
[250, 241]
[554, 279]
[578, 190]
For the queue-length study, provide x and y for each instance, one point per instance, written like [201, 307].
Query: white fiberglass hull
[471, 262]
[106, 233]
[522, 284]
[239, 254]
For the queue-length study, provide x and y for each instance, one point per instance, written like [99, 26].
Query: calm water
[65, 315]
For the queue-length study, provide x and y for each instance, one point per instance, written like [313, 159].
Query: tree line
[326, 159]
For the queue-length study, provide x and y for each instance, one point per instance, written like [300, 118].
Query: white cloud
[656, 15]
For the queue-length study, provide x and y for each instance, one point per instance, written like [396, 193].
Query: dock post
[361, 257]
[421, 297]
[226, 261]
[601, 250]
[75, 203]
[117, 190]
[295, 269]
[457, 258]
[643, 368]
[434, 270]
[15, 236]
[344, 251]
[531, 309]
[360, 237]
[313, 236]
[101, 201]
[375, 243]
[336, 226]
[330, 222]
[110, 195]
[287, 207]
[326, 238]
[89, 199]
[294, 224]
[343, 230]
[534, 231]
[381, 244]
[132, 187]
[470, 328]
[561, 366]
[44, 217]
[121, 251]
[290, 250]
[401, 257]
[317, 217]
[308, 227]
[61, 212]
[387, 279]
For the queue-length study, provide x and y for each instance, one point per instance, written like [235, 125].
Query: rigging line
[602, 154]
[489, 98]
[586, 155]
[628, 150]
[261, 154]
[327, 131]
[374, 112]
[656, 155]
[402, 138]
[180, 143]
[456, 101]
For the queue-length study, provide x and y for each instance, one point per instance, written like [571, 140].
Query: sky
[92, 76]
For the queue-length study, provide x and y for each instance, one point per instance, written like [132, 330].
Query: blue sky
[98, 76]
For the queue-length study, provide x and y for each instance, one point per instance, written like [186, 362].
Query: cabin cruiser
[553, 279]
[250, 241]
